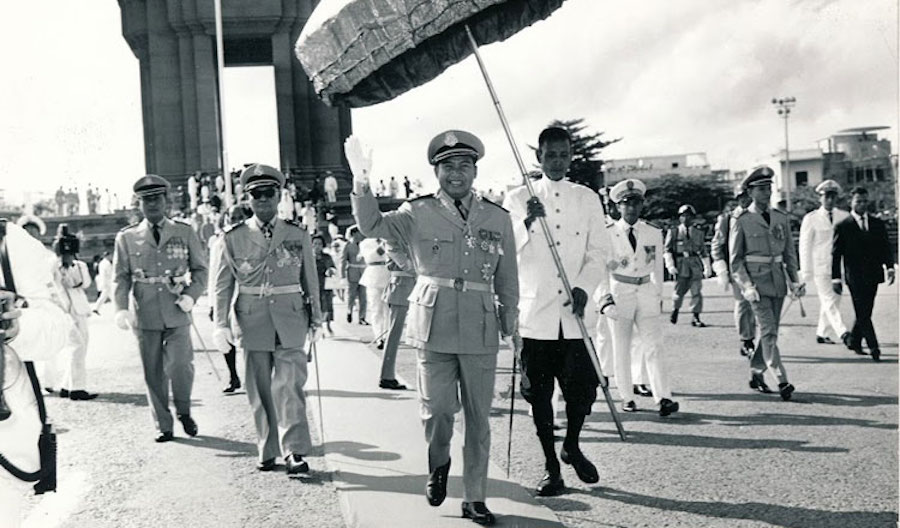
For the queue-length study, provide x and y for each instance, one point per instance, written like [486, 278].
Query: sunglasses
[264, 192]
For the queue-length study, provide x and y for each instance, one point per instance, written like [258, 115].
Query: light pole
[784, 106]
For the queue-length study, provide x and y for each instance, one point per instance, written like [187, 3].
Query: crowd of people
[455, 273]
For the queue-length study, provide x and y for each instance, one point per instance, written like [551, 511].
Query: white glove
[315, 334]
[891, 275]
[186, 303]
[359, 160]
[723, 281]
[124, 319]
[611, 311]
[707, 272]
[798, 289]
[750, 294]
[673, 272]
[223, 339]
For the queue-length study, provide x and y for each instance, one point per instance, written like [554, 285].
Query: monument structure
[174, 40]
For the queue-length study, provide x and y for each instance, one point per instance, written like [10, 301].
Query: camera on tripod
[66, 243]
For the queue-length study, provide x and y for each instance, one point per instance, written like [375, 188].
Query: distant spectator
[331, 187]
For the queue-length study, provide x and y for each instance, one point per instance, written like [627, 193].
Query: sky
[668, 77]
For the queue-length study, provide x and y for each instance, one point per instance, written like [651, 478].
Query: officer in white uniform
[636, 278]
[816, 236]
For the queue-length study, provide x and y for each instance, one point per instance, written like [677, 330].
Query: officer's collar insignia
[258, 171]
[450, 139]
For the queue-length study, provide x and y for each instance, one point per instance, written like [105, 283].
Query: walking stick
[211, 362]
[314, 352]
[512, 406]
[589, 345]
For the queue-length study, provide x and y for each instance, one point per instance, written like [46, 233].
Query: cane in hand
[512, 402]
[205, 350]
[315, 355]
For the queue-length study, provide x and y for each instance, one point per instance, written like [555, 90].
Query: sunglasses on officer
[263, 192]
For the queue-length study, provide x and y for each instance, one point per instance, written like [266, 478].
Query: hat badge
[450, 139]
[258, 171]
[630, 184]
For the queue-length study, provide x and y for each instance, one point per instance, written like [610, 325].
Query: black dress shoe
[380, 344]
[585, 470]
[551, 485]
[63, 393]
[436, 487]
[667, 407]
[857, 349]
[266, 465]
[757, 383]
[82, 395]
[674, 317]
[629, 406]
[824, 340]
[165, 436]
[363, 322]
[50, 390]
[478, 512]
[349, 318]
[391, 384]
[295, 464]
[847, 339]
[233, 385]
[190, 426]
[876, 354]
[785, 389]
[643, 390]
[697, 323]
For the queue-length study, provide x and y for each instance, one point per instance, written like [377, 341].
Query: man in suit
[861, 241]
[686, 261]
[153, 261]
[270, 262]
[743, 312]
[816, 236]
[552, 345]
[463, 250]
[352, 267]
[764, 266]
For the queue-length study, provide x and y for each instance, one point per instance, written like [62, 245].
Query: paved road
[731, 457]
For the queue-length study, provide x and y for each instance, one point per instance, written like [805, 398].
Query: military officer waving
[161, 265]
[270, 264]
[463, 250]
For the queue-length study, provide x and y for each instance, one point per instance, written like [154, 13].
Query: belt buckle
[686, 253]
[459, 284]
[265, 290]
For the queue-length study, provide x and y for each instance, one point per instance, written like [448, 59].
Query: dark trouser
[395, 332]
[863, 296]
[326, 302]
[567, 361]
[354, 291]
[168, 357]
[231, 361]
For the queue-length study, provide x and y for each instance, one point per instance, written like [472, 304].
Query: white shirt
[647, 257]
[578, 225]
[816, 236]
[862, 221]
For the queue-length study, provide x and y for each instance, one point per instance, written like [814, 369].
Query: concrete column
[188, 102]
[168, 129]
[207, 103]
[283, 59]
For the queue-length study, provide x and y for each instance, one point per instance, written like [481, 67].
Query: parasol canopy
[364, 52]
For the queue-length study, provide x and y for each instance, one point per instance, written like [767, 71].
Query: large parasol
[363, 52]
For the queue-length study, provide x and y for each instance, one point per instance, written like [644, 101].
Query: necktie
[830, 217]
[632, 239]
[267, 231]
[459, 207]
[865, 225]
[156, 233]
[766, 217]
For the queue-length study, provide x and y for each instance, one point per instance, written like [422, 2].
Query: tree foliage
[666, 194]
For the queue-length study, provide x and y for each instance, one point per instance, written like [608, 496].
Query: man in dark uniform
[270, 262]
[764, 265]
[162, 265]
[463, 250]
[686, 261]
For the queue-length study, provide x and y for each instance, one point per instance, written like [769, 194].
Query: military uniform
[267, 274]
[684, 257]
[403, 279]
[452, 319]
[743, 312]
[154, 275]
[352, 267]
[763, 259]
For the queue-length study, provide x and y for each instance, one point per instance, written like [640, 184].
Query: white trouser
[378, 312]
[604, 344]
[829, 309]
[638, 309]
[639, 374]
[67, 369]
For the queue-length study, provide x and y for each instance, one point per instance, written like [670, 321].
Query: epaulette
[129, 226]
[495, 204]
[182, 221]
[610, 222]
[739, 212]
[294, 223]
[231, 227]
[651, 224]
[417, 198]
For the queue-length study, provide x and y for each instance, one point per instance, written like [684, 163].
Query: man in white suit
[552, 345]
[816, 234]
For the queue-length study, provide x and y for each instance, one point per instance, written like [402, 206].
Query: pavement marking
[54, 508]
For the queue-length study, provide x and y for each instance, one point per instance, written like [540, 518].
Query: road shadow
[773, 514]
[229, 448]
[123, 398]
[360, 451]
[840, 400]
[716, 442]
[392, 395]
[889, 358]
[750, 420]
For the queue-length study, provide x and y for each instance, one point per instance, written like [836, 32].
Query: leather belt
[760, 259]
[401, 273]
[690, 254]
[158, 280]
[631, 280]
[456, 284]
[357, 265]
[267, 290]
[382, 263]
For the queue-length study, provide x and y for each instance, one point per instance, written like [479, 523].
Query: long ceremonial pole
[588, 343]
[220, 67]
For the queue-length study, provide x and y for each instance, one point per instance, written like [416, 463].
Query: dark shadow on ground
[774, 514]
[360, 451]
[123, 398]
[392, 395]
[842, 400]
[230, 448]
[715, 442]
[885, 358]
[750, 420]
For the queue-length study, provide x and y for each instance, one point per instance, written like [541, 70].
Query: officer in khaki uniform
[270, 264]
[743, 312]
[403, 278]
[463, 250]
[352, 267]
[764, 266]
[686, 261]
[162, 265]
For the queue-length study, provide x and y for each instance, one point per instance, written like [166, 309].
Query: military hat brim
[454, 143]
[259, 175]
[151, 185]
